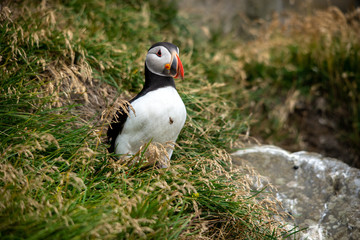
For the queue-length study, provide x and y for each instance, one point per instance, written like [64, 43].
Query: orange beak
[175, 67]
[180, 69]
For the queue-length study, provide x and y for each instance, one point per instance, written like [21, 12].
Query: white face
[156, 60]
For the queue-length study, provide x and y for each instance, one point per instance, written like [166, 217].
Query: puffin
[157, 113]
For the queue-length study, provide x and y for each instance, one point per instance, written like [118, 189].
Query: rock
[322, 194]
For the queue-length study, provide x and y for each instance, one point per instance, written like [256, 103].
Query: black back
[115, 128]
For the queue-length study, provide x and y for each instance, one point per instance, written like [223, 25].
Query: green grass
[315, 56]
[57, 179]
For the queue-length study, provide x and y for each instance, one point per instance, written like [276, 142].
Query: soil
[321, 130]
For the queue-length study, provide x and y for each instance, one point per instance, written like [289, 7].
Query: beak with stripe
[175, 67]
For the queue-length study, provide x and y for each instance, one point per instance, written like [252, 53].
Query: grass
[63, 66]
[298, 60]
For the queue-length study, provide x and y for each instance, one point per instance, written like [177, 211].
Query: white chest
[159, 115]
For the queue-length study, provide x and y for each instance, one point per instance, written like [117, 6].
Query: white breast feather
[159, 115]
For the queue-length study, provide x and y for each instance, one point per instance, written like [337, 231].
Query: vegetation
[303, 79]
[63, 66]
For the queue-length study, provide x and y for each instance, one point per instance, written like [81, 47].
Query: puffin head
[163, 59]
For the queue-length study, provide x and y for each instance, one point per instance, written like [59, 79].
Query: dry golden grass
[57, 179]
[299, 61]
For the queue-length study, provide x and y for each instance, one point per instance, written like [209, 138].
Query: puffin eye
[159, 53]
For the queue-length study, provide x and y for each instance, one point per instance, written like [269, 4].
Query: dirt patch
[322, 131]
[309, 125]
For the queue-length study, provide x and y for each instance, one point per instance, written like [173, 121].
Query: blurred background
[298, 65]
[225, 14]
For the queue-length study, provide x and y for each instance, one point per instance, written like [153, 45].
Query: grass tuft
[63, 66]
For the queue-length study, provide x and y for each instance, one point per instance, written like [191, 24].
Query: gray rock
[322, 194]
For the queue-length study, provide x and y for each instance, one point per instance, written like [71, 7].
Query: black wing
[116, 127]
